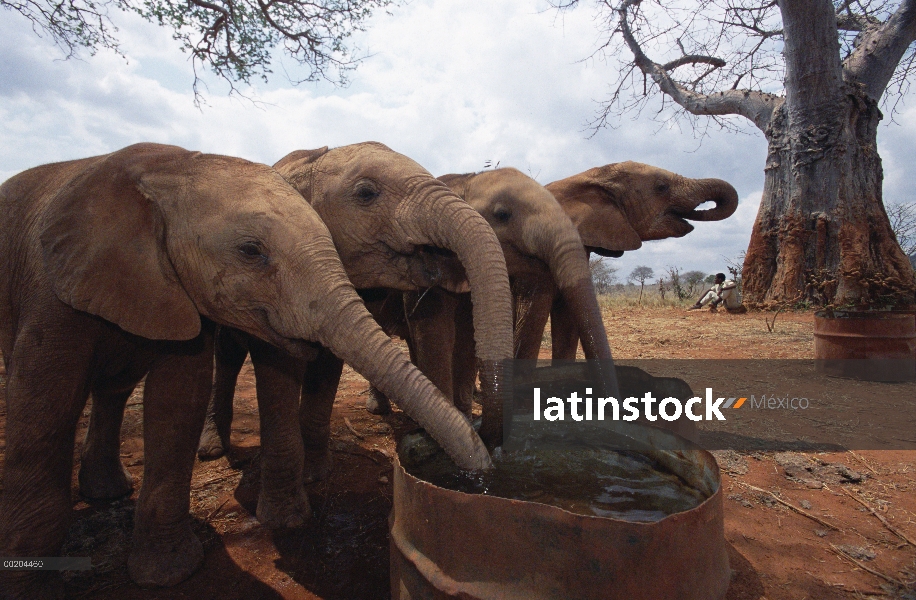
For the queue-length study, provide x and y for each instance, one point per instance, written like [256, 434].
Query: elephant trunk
[718, 191]
[568, 262]
[435, 215]
[350, 332]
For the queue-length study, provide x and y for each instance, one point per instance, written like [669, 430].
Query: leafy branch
[236, 39]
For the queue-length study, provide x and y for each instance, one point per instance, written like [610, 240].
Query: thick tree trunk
[822, 233]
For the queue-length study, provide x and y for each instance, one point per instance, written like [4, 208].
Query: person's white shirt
[727, 292]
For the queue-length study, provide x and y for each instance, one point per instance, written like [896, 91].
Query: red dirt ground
[838, 548]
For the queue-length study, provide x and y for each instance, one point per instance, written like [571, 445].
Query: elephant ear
[296, 168]
[104, 245]
[597, 209]
[458, 183]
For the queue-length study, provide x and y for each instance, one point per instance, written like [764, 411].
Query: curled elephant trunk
[350, 332]
[568, 262]
[718, 191]
[444, 220]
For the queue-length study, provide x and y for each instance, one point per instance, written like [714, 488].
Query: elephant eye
[661, 188]
[502, 215]
[366, 191]
[252, 250]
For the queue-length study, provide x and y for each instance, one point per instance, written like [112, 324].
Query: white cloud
[451, 85]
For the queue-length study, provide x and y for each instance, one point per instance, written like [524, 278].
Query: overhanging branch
[753, 105]
[236, 39]
[881, 49]
[693, 59]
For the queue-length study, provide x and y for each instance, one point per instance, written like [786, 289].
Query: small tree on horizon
[692, 279]
[603, 274]
[641, 274]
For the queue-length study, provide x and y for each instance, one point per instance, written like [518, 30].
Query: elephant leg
[102, 475]
[464, 361]
[231, 351]
[319, 388]
[564, 333]
[529, 327]
[165, 550]
[282, 501]
[46, 391]
[431, 321]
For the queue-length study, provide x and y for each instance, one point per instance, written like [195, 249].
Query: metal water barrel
[867, 345]
[448, 544]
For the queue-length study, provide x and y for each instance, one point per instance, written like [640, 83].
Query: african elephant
[545, 258]
[411, 233]
[619, 206]
[118, 266]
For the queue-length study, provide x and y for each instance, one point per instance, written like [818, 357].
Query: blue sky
[451, 84]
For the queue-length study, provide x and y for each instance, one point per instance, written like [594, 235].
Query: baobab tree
[809, 74]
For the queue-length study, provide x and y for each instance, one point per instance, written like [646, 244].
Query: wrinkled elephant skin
[396, 228]
[116, 267]
[544, 257]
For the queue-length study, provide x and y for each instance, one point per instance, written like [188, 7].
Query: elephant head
[153, 237]
[540, 244]
[619, 206]
[396, 226]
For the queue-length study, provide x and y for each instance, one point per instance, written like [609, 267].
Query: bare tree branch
[754, 105]
[903, 223]
[692, 59]
[716, 49]
[73, 25]
[847, 20]
[880, 50]
[812, 58]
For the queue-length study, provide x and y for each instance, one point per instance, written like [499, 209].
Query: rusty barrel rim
[683, 555]
[867, 323]
[866, 345]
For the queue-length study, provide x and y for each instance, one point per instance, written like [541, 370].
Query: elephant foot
[165, 562]
[276, 511]
[104, 479]
[377, 403]
[25, 585]
[318, 465]
[212, 445]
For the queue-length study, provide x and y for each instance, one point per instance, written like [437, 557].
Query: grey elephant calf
[544, 258]
[610, 209]
[619, 206]
[115, 268]
[396, 227]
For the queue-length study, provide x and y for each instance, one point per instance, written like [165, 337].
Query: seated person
[724, 291]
